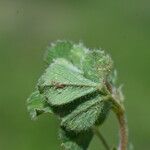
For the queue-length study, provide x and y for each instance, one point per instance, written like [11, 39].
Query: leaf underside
[71, 88]
[62, 83]
[75, 141]
[85, 115]
[37, 105]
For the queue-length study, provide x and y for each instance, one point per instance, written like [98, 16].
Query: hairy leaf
[74, 53]
[75, 141]
[94, 63]
[62, 83]
[37, 105]
[77, 54]
[75, 86]
[67, 94]
[97, 65]
[85, 115]
[59, 49]
[63, 110]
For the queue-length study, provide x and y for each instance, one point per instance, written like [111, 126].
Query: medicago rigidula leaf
[86, 114]
[75, 141]
[37, 105]
[74, 87]
[63, 83]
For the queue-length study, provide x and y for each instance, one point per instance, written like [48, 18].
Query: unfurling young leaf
[77, 86]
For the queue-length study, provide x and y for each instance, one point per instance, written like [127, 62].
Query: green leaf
[97, 65]
[37, 105]
[67, 94]
[63, 83]
[86, 114]
[63, 110]
[106, 107]
[75, 86]
[59, 49]
[75, 141]
[62, 71]
[74, 53]
[77, 54]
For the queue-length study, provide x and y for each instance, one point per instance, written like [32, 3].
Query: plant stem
[123, 131]
[100, 136]
[123, 128]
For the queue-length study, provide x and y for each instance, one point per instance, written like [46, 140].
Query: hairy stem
[123, 131]
[100, 136]
[119, 110]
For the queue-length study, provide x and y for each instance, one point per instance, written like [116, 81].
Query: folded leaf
[77, 55]
[96, 65]
[85, 115]
[37, 105]
[59, 49]
[73, 87]
[66, 95]
[74, 53]
[63, 83]
[75, 141]
[63, 110]
[63, 72]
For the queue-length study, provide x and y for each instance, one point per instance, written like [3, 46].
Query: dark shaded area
[66, 109]
[81, 139]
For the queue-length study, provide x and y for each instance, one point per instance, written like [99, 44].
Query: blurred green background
[26, 29]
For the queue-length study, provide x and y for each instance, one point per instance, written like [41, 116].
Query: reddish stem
[123, 131]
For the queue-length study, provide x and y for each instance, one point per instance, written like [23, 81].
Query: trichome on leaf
[78, 86]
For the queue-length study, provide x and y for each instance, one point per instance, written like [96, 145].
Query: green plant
[79, 86]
